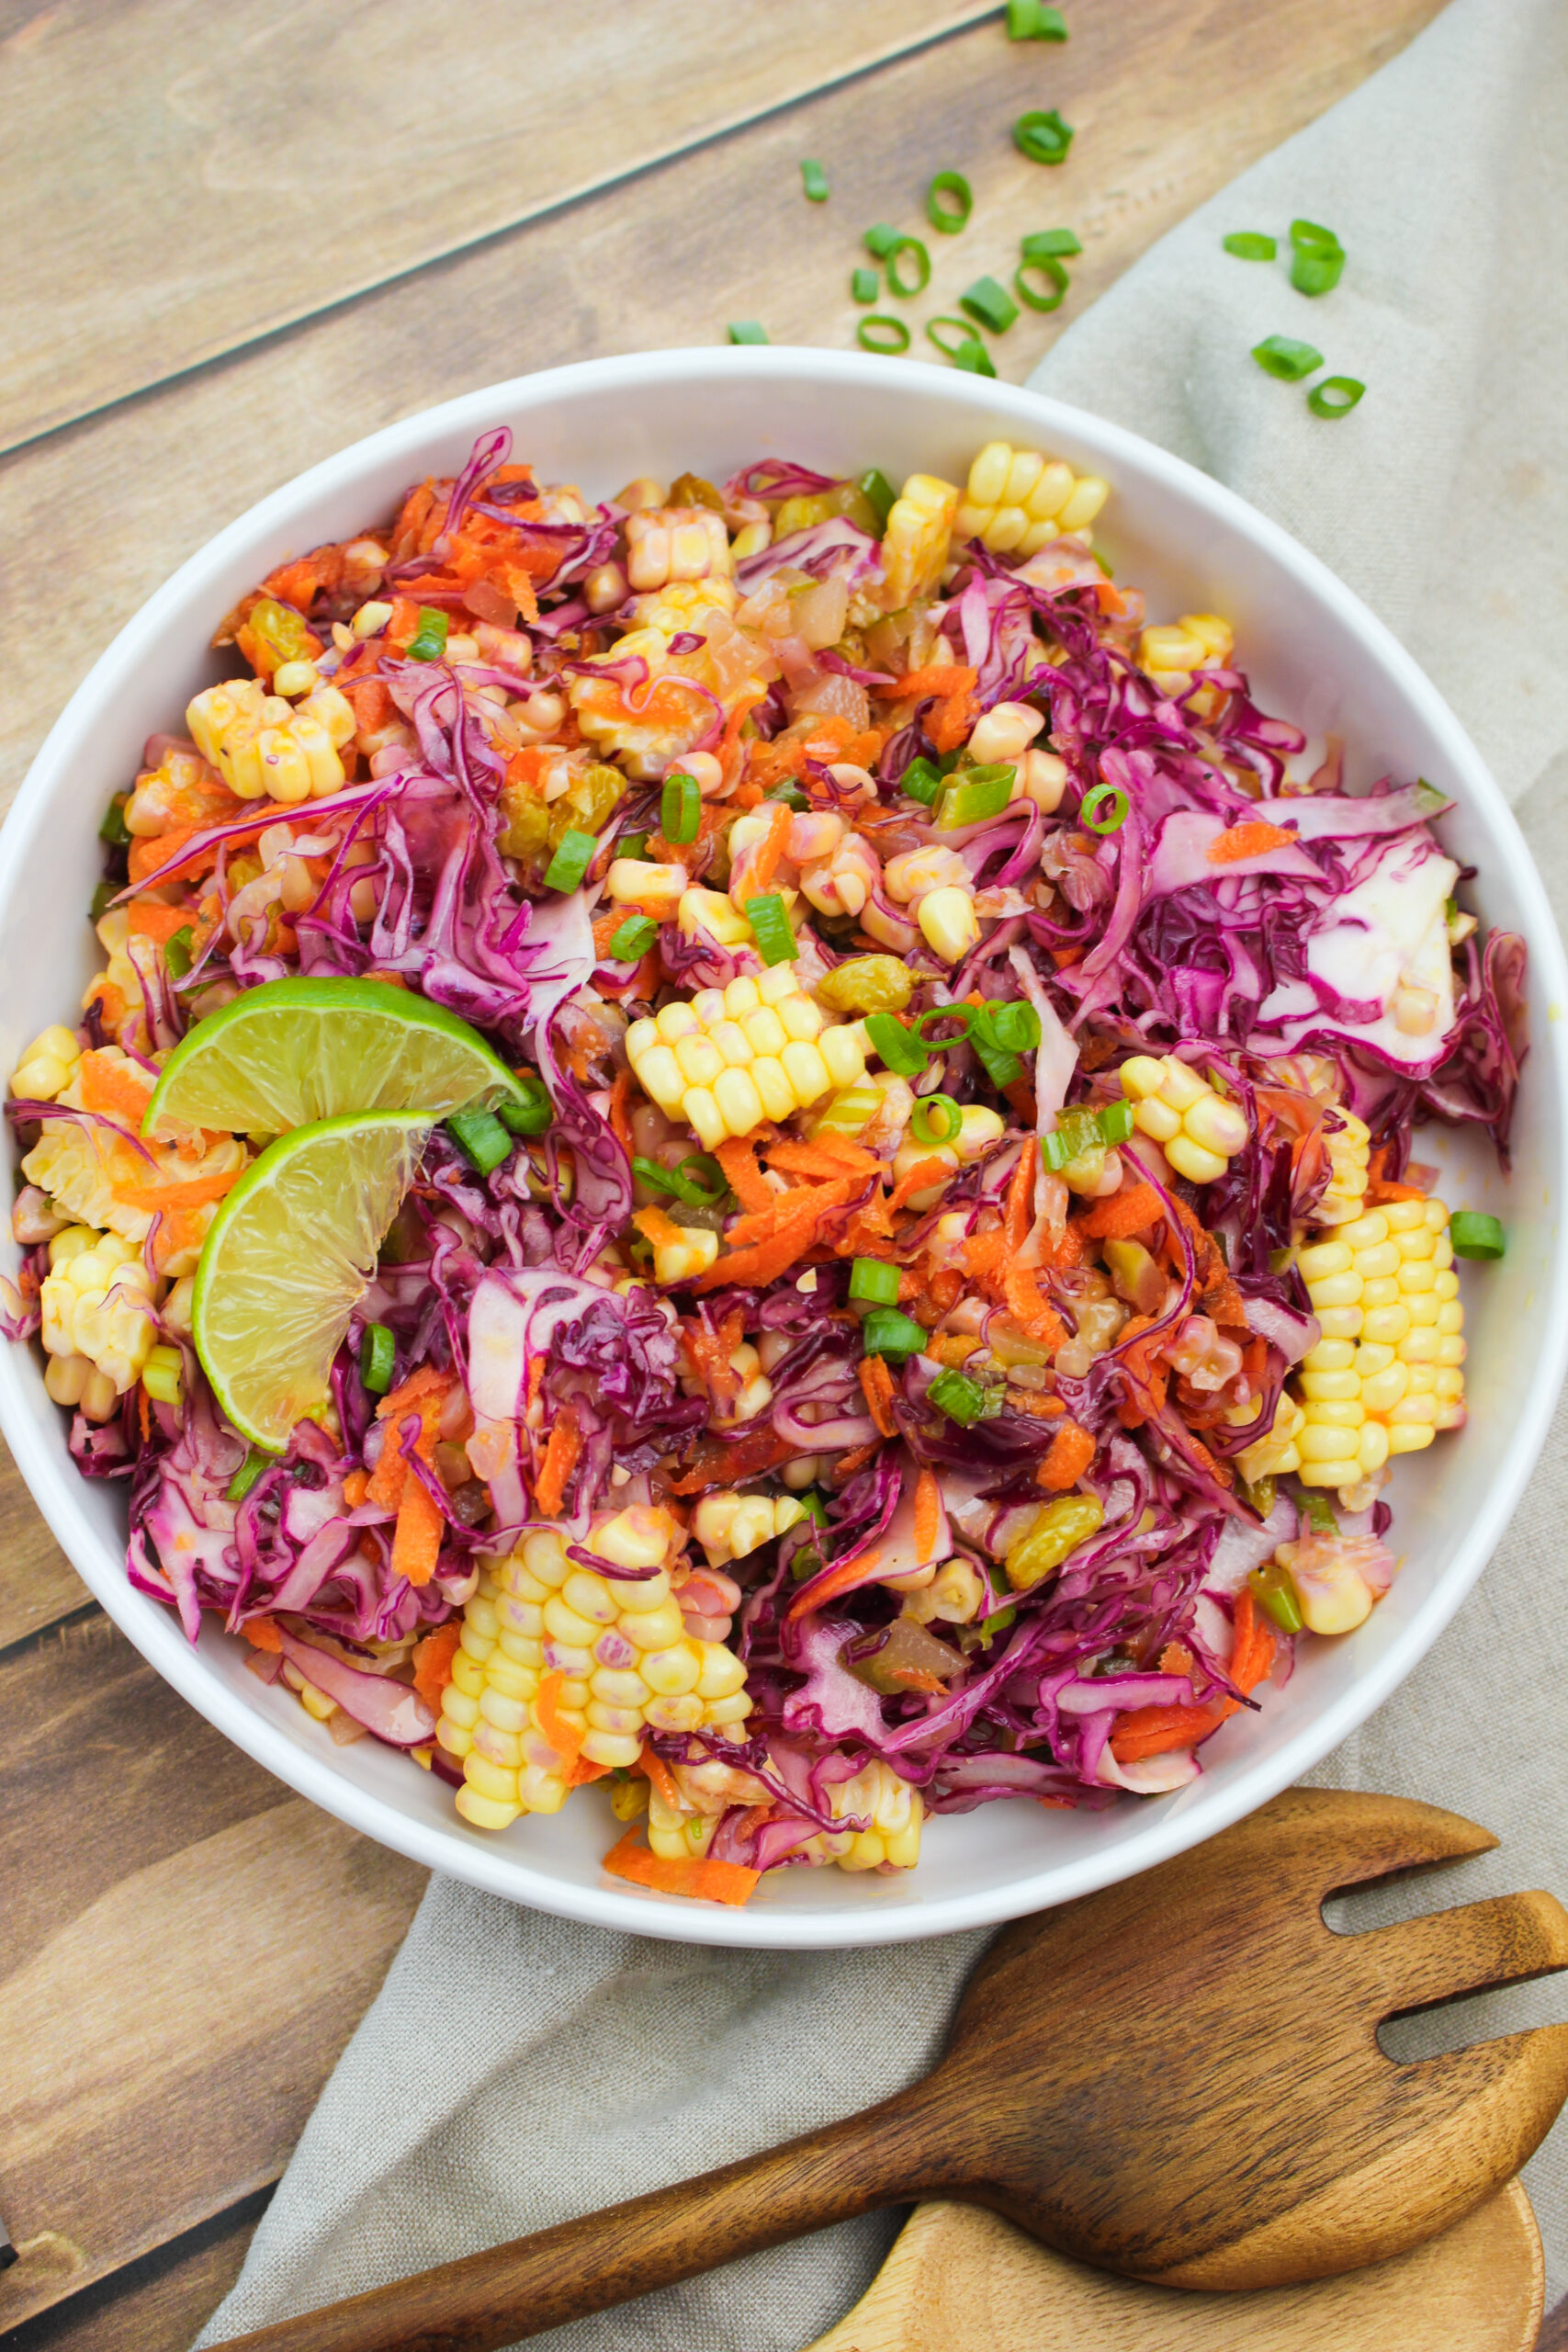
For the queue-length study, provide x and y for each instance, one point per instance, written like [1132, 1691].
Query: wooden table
[233, 244]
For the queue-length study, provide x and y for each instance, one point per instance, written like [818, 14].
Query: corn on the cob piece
[1350, 1149]
[876, 1794]
[48, 1065]
[261, 746]
[728, 1058]
[624, 1662]
[730, 1525]
[1386, 1374]
[687, 604]
[1198, 641]
[97, 1302]
[918, 533]
[1271, 1456]
[666, 543]
[1017, 499]
[1200, 1131]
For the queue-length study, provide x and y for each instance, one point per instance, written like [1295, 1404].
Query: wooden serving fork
[1177, 2078]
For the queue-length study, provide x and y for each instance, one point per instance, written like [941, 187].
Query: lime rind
[289, 1257]
[295, 1052]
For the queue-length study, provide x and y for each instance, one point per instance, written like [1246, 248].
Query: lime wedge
[287, 1258]
[294, 1051]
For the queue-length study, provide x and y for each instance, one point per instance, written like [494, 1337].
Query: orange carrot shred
[829, 1158]
[433, 1662]
[712, 1882]
[769, 849]
[1253, 839]
[924, 1172]
[927, 1515]
[560, 1461]
[426, 1382]
[1124, 1213]
[1021, 1194]
[193, 1194]
[110, 1085]
[263, 1634]
[658, 1776]
[659, 1228]
[582, 1772]
[1072, 1451]
[876, 1382]
[1029, 1304]
[846, 1576]
[743, 1176]
[937, 678]
[150, 918]
[416, 1538]
[564, 1738]
[846, 1155]
[620, 1124]
[354, 1487]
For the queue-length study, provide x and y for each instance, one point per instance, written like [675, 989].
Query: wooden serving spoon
[958, 2276]
[1177, 2078]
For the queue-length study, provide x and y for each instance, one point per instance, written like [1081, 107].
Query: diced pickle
[822, 505]
[690, 490]
[906, 1659]
[1063, 1524]
[585, 807]
[525, 820]
[282, 635]
[866, 984]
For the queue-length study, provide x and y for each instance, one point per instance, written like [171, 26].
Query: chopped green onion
[1116, 1123]
[481, 1138]
[771, 928]
[1108, 798]
[428, 643]
[114, 830]
[1031, 20]
[787, 791]
[815, 181]
[1074, 1133]
[877, 332]
[937, 1119]
[530, 1111]
[874, 1281]
[875, 487]
[986, 1632]
[1319, 1513]
[1044, 138]
[162, 1376]
[1311, 237]
[1281, 355]
[632, 845]
[949, 218]
[1015, 1026]
[962, 1399]
[574, 855]
[680, 809]
[103, 898]
[974, 358]
[898, 1047]
[990, 303]
[177, 952]
[377, 1356]
[881, 237]
[1316, 272]
[700, 1190]
[634, 938]
[1336, 396]
[245, 1476]
[1273, 1588]
[1049, 245]
[906, 288]
[887, 1332]
[1247, 244]
[747, 331]
[1050, 269]
[975, 795]
[864, 286]
[922, 781]
[1476, 1235]
[965, 334]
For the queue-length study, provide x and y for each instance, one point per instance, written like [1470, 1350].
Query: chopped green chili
[114, 830]
[177, 952]
[1273, 1588]
[922, 781]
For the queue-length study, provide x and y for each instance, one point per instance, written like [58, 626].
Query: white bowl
[1316, 655]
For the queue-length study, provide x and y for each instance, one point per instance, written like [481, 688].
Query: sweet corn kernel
[1018, 499]
[727, 1058]
[1200, 1130]
[915, 544]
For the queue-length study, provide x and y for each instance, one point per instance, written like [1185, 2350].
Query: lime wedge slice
[294, 1051]
[287, 1258]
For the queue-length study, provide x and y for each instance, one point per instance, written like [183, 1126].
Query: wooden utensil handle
[882, 2156]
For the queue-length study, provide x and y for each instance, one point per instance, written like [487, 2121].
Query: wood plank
[718, 235]
[244, 172]
[156, 2303]
[180, 1971]
[37, 1583]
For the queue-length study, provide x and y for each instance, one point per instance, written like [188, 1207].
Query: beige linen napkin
[516, 2069]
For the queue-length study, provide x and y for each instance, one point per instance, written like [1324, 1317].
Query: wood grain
[719, 234]
[38, 1584]
[958, 2276]
[157, 2303]
[243, 172]
[187, 1948]
[1154, 2139]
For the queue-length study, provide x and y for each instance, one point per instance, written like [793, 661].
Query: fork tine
[1416, 1962]
[1484, 2111]
[1342, 1838]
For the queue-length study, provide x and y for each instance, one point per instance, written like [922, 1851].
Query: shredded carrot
[582, 1772]
[426, 1382]
[941, 678]
[560, 1461]
[743, 1176]
[696, 1875]
[823, 1156]
[1029, 1400]
[856, 1459]
[1252, 840]
[848, 1576]
[1124, 1213]
[1253, 1656]
[1383, 1188]
[762, 862]
[1029, 1304]
[263, 1634]
[111, 1085]
[876, 1382]
[1019, 1215]
[563, 1738]
[754, 1268]
[927, 1515]
[1152, 1731]
[949, 726]
[850, 1157]
[658, 1776]
[433, 1662]
[660, 1229]
[620, 1124]
[984, 1253]
[924, 1172]
[1072, 1451]
[416, 1538]
[192, 1194]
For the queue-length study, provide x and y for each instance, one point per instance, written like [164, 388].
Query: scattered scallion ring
[922, 781]
[887, 1331]
[701, 1191]
[634, 939]
[1336, 396]
[949, 219]
[962, 1399]
[1076, 1132]
[881, 237]
[875, 487]
[904, 287]
[377, 1356]
[1247, 244]
[974, 359]
[1049, 245]
[936, 1119]
[898, 1047]
[1031, 20]
[245, 1476]
[530, 1111]
[864, 286]
[1283, 356]
[177, 952]
[1049, 269]
[747, 331]
[963, 1013]
[873, 1282]
[1112, 800]
[814, 179]
[990, 303]
[162, 1377]
[480, 1136]
[680, 809]
[574, 855]
[1116, 1123]
[1014, 1027]
[1316, 272]
[632, 845]
[428, 643]
[771, 928]
[1312, 237]
[1476, 1235]
[877, 332]
[965, 332]
[1044, 138]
